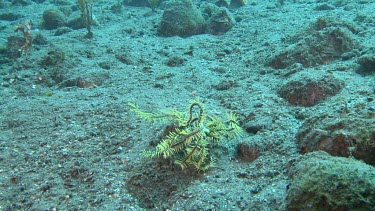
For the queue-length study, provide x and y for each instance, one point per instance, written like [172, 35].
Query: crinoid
[192, 135]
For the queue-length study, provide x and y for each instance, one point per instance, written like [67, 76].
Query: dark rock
[347, 56]
[247, 152]
[53, 19]
[137, 3]
[225, 85]
[323, 7]
[126, 58]
[222, 3]
[62, 30]
[39, 39]
[14, 44]
[220, 22]
[237, 3]
[52, 58]
[175, 61]
[253, 124]
[182, 19]
[9, 16]
[105, 65]
[367, 63]
[21, 2]
[39, 1]
[75, 21]
[253, 129]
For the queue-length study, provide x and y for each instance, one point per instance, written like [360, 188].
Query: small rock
[367, 63]
[308, 92]
[247, 152]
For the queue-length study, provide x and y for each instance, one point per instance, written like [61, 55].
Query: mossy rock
[181, 19]
[322, 182]
[53, 19]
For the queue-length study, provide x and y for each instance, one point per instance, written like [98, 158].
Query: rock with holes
[310, 89]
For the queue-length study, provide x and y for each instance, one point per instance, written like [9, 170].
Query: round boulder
[181, 19]
[322, 182]
[53, 19]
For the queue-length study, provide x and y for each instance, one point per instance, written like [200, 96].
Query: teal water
[99, 105]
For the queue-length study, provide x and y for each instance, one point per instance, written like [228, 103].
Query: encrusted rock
[338, 137]
[308, 91]
[181, 19]
[53, 19]
[237, 3]
[220, 22]
[367, 63]
[322, 182]
[323, 43]
[247, 152]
